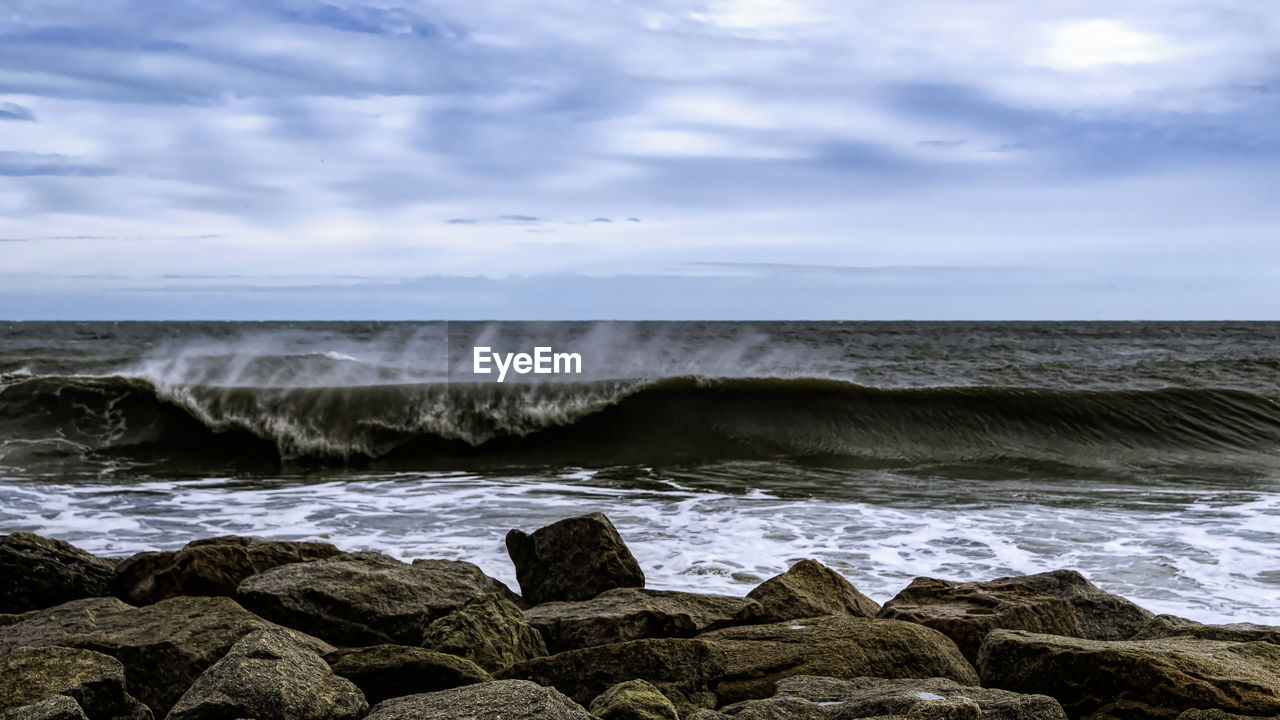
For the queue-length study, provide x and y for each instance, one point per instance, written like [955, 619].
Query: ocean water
[1146, 455]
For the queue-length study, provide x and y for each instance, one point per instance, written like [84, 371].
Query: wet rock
[1061, 602]
[836, 646]
[573, 559]
[164, 647]
[683, 670]
[270, 675]
[633, 614]
[1167, 626]
[633, 700]
[58, 707]
[365, 598]
[501, 700]
[489, 630]
[810, 589]
[213, 566]
[41, 572]
[386, 671]
[95, 681]
[1135, 679]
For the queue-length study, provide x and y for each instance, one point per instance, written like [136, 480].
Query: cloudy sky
[641, 159]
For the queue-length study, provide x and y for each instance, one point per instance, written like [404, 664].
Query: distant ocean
[1146, 455]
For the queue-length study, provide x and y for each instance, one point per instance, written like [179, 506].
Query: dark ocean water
[1145, 454]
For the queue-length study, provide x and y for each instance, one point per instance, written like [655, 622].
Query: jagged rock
[501, 700]
[633, 700]
[270, 675]
[58, 707]
[41, 572]
[1167, 626]
[386, 671]
[573, 559]
[838, 646]
[810, 589]
[633, 614]
[164, 647]
[489, 630]
[213, 566]
[823, 698]
[29, 675]
[683, 670]
[365, 598]
[1135, 679]
[1061, 602]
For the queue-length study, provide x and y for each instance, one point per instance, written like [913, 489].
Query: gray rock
[41, 572]
[386, 671]
[810, 589]
[838, 646]
[58, 707]
[633, 700]
[633, 614]
[95, 681]
[365, 598]
[1167, 626]
[1135, 679]
[501, 700]
[573, 559]
[1061, 602]
[213, 566]
[685, 671]
[270, 675]
[489, 630]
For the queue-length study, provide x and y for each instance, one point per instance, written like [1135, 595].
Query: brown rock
[41, 572]
[810, 589]
[95, 681]
[489, 630]
[57, 707]
[386, 671]
[633, 700]
[501, 700]
[1167, 626]
[573, 559]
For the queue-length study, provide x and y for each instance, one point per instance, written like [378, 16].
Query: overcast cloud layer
[654, 158]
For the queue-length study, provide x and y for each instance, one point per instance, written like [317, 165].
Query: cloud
[22, 164]
[14, 111]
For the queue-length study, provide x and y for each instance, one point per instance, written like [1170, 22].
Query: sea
[1144, 454]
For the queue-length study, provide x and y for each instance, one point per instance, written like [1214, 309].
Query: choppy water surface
[1144, 455]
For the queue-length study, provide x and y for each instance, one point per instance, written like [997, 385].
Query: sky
[647, 159]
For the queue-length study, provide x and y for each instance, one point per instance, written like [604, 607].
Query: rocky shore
[243, 628]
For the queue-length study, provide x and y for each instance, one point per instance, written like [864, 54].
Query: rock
[1166, 626]
[633, 700]
[810, 589]
[58, 707]
[824, 698]
[365, 598]
[1061, 602]
[501, 700]
[164, 647]
[213, 566]
[386, 671]
[573, 559]
[683, 670]
[42, 572]
[270, 675]
[489, 630]
[95, 681]
[1136, 679]
[1219, 715]
[633, 614]
[838, 646]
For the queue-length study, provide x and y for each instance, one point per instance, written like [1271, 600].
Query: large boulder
[270, 675]
[633, 700]
[164, 647]
[365, 598]
[57, 707]
[95, 681]
[1167, 626]
[1136, 679]
[838, 646]
[633, 614]
[213, 566]
[41, 572]
[1061, 602]
[386, 671]
[573, 559]
[683, 670]
[810, 589]
[501, 700]
[489, 630]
